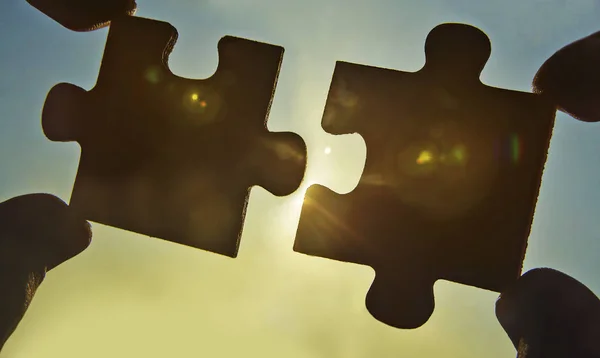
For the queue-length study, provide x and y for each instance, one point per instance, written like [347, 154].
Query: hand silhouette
[571, 78]
[548, 314]
[37, 233]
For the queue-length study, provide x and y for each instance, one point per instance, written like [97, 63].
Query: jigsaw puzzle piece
[86, 15]
[171, 157]
[450, 182]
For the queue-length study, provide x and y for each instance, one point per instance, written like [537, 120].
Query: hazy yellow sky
[133, 296]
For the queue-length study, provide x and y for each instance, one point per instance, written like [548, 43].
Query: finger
[18, 286]
[84, 15]
[548, 314]
[571, 79]
[37, 233]
[40, 229]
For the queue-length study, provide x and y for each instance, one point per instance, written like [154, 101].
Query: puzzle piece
[171, 157]
[451, 178]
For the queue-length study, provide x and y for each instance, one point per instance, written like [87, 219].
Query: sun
[297, 198]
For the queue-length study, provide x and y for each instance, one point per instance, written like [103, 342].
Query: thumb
[548, 314]
[37, 233]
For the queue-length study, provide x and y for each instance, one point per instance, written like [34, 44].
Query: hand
[548, 314]
[84, 15]
[37, 233]
[571, 79]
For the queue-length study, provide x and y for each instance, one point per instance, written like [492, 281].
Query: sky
[132, 296]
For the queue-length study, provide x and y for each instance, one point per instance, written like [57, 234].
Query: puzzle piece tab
[451, 178]
[170, 157]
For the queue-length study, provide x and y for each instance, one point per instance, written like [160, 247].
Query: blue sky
[132, 296]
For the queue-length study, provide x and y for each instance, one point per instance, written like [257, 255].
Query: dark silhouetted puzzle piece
[170, 157]
[451, 178]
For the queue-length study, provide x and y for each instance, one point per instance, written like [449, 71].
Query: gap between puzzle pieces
[170, 157]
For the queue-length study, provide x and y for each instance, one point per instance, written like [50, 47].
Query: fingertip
[42, 230]
[548, 311]
[571, 79]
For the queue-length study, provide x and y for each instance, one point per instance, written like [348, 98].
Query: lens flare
[327, 150]
[510, 149]
[516, 148]
[153, 75]
[458, 155]
[425, 157]
[195, 97]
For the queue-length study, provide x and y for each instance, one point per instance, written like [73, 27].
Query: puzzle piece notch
[171, 157]
[450, 182]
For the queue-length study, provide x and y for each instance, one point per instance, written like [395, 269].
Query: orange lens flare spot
[424, 157]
